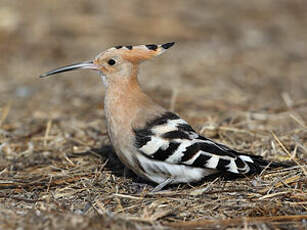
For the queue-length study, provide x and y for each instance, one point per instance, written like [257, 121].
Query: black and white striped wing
[170, 139]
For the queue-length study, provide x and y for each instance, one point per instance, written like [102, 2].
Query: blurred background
[246, 54]
[231, 59]
[237, 73]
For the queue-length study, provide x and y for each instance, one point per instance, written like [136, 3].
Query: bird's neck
[124, 90]
[124, 99]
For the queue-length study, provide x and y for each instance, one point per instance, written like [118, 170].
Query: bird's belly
[159, 171]
[123, 145]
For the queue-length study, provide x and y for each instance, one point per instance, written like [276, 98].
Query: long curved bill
[81, 65]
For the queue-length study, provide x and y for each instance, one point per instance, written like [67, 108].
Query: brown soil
[237, 74]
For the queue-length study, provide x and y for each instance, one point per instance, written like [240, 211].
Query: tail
[251, 165]
[257, 163]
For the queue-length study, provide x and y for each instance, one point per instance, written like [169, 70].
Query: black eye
[111, 62]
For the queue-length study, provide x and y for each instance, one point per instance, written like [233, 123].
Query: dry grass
[237, 74]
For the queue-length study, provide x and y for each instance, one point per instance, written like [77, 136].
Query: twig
[49, 124]
[236, 130]
[20, 198]
[84, 144]
[273, 195]
[289, 154]
[30, 135]
[286, 108]
[43, 183]
[279, 184]
[298, 120]
[235, 221]
[5, 112]
[128, 196]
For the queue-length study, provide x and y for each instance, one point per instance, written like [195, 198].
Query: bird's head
[117, 61]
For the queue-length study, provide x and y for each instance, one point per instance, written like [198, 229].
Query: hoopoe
[154, 143]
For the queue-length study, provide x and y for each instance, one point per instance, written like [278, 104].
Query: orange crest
[141, 53]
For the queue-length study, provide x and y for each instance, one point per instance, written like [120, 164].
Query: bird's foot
[160, 186]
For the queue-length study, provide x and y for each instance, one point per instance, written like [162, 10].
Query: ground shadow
[119, 169]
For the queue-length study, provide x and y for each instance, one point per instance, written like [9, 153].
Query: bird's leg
[126, 172]
[163, 184]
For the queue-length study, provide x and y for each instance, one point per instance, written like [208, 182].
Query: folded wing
[169, 138]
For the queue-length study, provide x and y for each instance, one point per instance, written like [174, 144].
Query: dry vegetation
[237, 73]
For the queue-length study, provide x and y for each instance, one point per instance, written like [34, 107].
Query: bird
[154, 143]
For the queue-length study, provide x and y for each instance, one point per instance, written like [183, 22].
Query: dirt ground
[237, 73]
